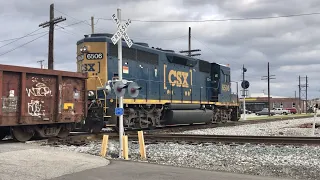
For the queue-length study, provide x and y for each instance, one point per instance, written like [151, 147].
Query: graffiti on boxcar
[35, 108]
[36, 105]
[40, 89]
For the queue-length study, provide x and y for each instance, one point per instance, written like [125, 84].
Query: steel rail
[231, 139]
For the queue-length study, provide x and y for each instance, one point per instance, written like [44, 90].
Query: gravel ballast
[276, 128]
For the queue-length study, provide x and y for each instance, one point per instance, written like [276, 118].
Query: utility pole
[189, 44]
[303, 92]
[295, 98]
[51, 24]
[189, 51]
[244, 94]
[268, 77]
[299, 95]
[40, 63]
[306, 93]
[237, 92]
[92, 25]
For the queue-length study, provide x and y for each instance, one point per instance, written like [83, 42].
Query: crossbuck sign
[121, 32]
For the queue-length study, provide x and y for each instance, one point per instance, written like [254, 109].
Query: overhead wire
[65, 30]
[30, 34]
[84, 22]
[227, 19]
[22, 45]
[21, 37]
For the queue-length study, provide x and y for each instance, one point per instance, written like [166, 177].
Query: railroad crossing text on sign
[121, 32]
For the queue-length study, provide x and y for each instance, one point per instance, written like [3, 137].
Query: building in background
[257, 101]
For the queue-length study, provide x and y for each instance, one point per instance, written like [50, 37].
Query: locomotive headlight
[90, 93]
[84, 49]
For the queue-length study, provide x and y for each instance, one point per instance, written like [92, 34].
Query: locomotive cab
[92, 59]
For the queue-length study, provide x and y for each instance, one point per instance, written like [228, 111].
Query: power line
[228, 19]
[65, 30]
[28, 35]
[84, 22]
[168, 39]
[20, 38]
[72, 17]
[22, 45]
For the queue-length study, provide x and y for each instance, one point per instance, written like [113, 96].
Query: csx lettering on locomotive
[91, 67]
[178, 78]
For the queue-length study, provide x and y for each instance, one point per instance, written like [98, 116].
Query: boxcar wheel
[2, 135]
[22, 134]
[4, 132]
[63, 133]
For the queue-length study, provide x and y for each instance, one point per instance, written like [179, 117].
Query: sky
[238, 35]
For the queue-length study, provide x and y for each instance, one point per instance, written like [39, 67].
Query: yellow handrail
[105, 95]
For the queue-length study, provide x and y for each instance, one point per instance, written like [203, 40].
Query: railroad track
[188, 138]
[81, 139]
[164, 135]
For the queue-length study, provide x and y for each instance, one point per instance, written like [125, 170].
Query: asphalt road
[123, 170]
[19, 161]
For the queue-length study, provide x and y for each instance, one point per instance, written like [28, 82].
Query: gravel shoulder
[275, 128]
[278, 161]
[296, 162]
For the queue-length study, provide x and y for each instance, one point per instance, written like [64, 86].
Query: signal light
[134, 89]
[245, 84]
[120, 88]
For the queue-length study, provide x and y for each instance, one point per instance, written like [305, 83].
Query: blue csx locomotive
[174, 89]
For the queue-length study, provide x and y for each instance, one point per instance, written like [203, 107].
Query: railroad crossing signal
[134, 89]
[121, 31]
[120, 88]
[245, 84]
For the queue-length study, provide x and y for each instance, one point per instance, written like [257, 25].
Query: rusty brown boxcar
[40, 102]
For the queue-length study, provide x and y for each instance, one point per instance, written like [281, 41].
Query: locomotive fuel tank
[184, 106]
[173, 117]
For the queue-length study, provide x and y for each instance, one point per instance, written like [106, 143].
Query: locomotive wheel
[22, 134]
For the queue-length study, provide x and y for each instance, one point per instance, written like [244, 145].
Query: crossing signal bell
[245, 84]
[119, 88]
[134, 89]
